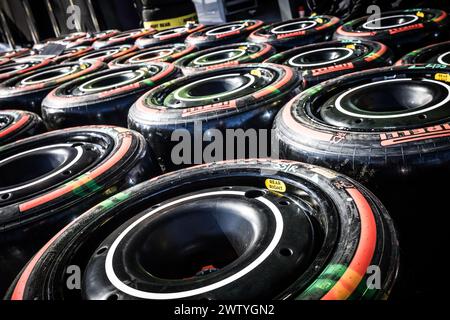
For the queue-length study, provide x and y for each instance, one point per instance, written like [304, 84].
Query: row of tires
[212, 231]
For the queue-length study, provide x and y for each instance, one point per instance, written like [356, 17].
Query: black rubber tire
[172, 35]
[104, 55]
[426, 26]
[68, 106]
[360, 55]
[126, 37]
[355, 233]
[401, 159]
[11, 54]
[71, 54]
[321, 28]
[88, 164]
[170, 51]
[249, 53]
[159, 112]
[90, 38]
[436, 53]
[14, 68]
[17, 124]
[313, 126]
[63, 39]
[14, 93]
[204, 39]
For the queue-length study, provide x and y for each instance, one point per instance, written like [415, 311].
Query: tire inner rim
[320, 57]
[124, 35]
[173, 208]
[369, 100]
[112, 81]
[219, 57]
[167, 32]
[13, 68]
[390, 22]
[150, 56]
[444, 58]
[99, 54]
[35, 166]
[294, 26]
[50, 75]
[214, 87]
[225, 29]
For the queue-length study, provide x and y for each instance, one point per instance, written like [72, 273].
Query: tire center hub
[35, 170]
[320, 57]
[387, 103]
[219, 57]
[390, 22]
[202, 242]
[294, 27]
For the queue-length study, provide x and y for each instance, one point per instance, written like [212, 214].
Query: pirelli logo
[406, 28]
[291, 34]
[339, 67]
[405, 136]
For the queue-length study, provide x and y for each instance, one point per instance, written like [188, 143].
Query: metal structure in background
[5, 30]
[30, 21]
[216, 11]
[52, 16]
[93, 15]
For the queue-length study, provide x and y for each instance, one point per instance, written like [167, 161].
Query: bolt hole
[358, 120]
[113, 296]
[102, 250]
[227, 188]
[284, 202]
[254, 193]
[216, 100]
[66, 173]
[286, 252]
[422, 116]
[5, 196]
[155, 206]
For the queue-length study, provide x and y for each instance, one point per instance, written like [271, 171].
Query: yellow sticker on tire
[442, 77]
[275, 185]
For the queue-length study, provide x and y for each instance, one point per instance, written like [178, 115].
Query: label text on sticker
[442, 77]
[275, 185]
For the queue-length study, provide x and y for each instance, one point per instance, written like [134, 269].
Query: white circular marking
[62, 169]
[64, 72]
[96, 55]
[171, 31]
[307, 24]
[177, 92]
[372, 24]
[110, 273]
[440, 59]
[137, 74]
[348, 53]
[227, 28]
[339, 107]
[161, 53]
[239, 54]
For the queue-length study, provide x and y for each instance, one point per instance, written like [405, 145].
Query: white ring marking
[183, 294]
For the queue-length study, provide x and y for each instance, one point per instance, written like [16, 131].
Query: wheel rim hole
[254, 194]
[422, 116]
[102, 250]
[284, 202]
[67, 173]
[358, 120]
[286, 252]
[5, 196]
[113, 297]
